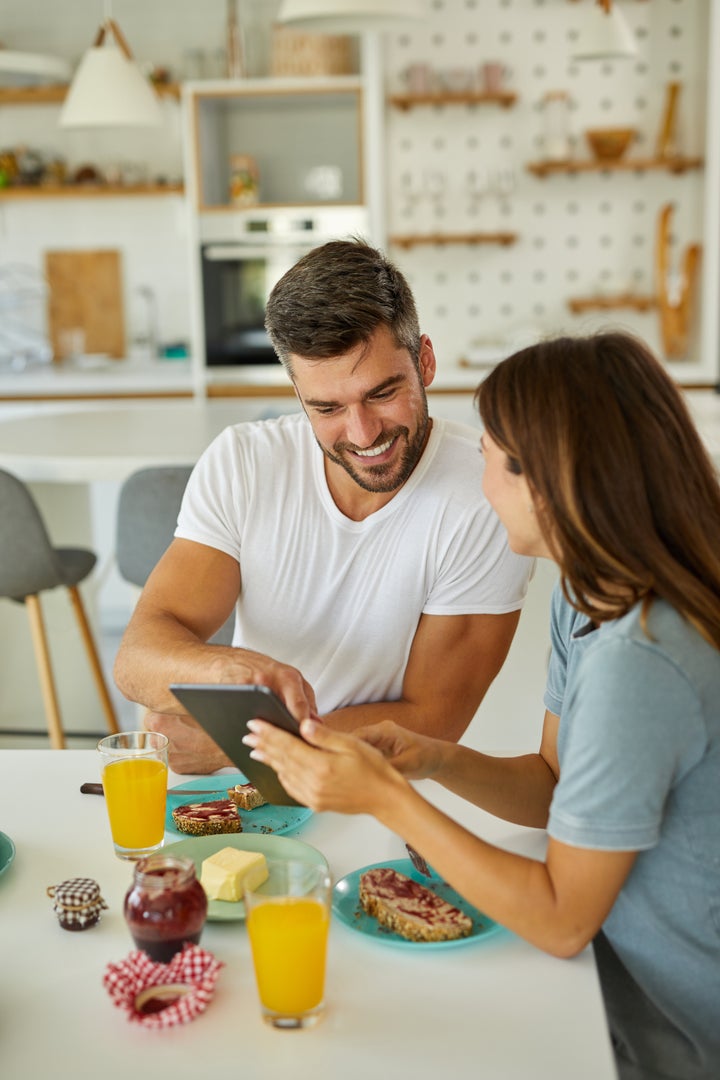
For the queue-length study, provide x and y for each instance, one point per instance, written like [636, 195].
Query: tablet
[223, 712]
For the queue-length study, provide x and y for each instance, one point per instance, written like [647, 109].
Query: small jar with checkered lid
[78, 903]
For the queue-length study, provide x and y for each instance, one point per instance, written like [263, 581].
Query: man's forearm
[440, 724]
[163, 651]
[517, 789]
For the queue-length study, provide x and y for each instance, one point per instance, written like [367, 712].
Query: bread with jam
[409, 908]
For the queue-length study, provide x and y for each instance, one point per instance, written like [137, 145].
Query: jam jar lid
[77, 901]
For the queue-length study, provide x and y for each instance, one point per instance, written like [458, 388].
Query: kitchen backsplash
[451, 169]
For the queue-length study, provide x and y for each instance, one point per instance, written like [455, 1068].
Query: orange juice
[289, 944]
[135, 792]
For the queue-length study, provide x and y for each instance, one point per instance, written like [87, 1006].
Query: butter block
[224, 874]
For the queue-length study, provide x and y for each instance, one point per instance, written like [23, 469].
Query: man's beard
[391, 475]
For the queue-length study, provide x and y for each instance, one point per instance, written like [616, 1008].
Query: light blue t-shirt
[639, 753]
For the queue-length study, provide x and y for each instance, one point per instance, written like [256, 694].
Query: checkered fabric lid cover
[77, 893]
[194, 968]
[78, 902]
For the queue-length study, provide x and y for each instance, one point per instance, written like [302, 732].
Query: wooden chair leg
[94, 659]
[47, 681]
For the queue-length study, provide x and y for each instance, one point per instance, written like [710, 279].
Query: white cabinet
[304, 136]
[311, 148]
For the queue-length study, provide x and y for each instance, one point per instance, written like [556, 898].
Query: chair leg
[47, 681]
[94, 659]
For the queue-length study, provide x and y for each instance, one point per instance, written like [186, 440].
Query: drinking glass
[288, 918]
[134, 777]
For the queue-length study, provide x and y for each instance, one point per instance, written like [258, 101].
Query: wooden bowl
[609, 144]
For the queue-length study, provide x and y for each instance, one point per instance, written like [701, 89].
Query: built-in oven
[239, 273]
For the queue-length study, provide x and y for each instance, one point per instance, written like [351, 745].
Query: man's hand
[191, 750]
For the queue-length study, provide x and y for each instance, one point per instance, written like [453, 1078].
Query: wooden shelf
[674, 165]
[87, 191]
[608, 303]
[410, 101]
[441, 239]
[55, 94]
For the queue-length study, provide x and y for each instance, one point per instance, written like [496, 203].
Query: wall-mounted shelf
[673, 165]
[54, 95]
[409, 101]
[86, 191]
[579, 305]
[441, 239]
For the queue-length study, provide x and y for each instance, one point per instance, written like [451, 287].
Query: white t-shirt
[340, 599]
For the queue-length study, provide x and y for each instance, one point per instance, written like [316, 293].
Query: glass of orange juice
[134, 777]
[288, 918]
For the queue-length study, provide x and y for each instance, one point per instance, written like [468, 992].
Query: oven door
[237, 279]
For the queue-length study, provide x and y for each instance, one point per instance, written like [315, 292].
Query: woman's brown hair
[629, 499]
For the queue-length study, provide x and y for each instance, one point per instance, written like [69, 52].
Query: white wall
[576, 235]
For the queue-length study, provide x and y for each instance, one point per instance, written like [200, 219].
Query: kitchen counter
[172, 378]
[98, 379]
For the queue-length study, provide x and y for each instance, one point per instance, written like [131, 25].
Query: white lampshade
[350, 16]
[109, 90]
[604, 34]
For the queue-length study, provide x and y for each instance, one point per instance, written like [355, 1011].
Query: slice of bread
[246, 796]
[204, 819]
[409, 908]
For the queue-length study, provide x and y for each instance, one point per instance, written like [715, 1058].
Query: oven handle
[227, 252]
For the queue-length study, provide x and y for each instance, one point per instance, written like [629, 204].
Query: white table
[499, 1009]
[97, 442]
[80, 444]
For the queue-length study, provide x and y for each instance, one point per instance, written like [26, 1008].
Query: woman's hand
[415, 756]
[325, 770]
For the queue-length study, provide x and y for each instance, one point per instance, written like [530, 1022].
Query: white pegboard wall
[459, 169]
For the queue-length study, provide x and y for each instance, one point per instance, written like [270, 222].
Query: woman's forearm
[557, 905]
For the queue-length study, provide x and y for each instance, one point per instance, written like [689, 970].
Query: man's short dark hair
[335, 298]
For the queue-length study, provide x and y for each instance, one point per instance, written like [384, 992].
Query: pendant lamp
[350, 16]
[604, 34]
[108, 89]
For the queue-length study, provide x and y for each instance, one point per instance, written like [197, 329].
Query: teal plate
[346, 906]
[7, 852]
[272, 847]
[266, 820]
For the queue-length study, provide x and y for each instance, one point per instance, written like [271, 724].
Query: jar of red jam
[165, 906]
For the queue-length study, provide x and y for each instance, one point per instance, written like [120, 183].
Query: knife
[97, 789]
[418, 862]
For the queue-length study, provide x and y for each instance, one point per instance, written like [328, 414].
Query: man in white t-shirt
[369, 576]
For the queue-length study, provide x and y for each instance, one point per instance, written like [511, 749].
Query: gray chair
[148, 510]
[29, 566]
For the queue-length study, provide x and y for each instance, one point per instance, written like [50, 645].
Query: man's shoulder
[464, 437]
[269, 425]
[289, 428]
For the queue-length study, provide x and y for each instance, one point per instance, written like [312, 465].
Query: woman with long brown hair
[592, 460]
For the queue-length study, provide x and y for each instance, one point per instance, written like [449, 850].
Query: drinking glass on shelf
[478, 187]
[504, 182]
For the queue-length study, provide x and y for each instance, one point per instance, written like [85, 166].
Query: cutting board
[85, 293]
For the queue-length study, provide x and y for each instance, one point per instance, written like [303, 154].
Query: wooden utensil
[676, 304]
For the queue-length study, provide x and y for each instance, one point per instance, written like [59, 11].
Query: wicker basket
[294, 53]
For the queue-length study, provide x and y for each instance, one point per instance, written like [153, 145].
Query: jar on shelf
[165, 906]
[244, 180]
[557, 143]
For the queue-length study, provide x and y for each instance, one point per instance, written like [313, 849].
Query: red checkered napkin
[193, 972]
